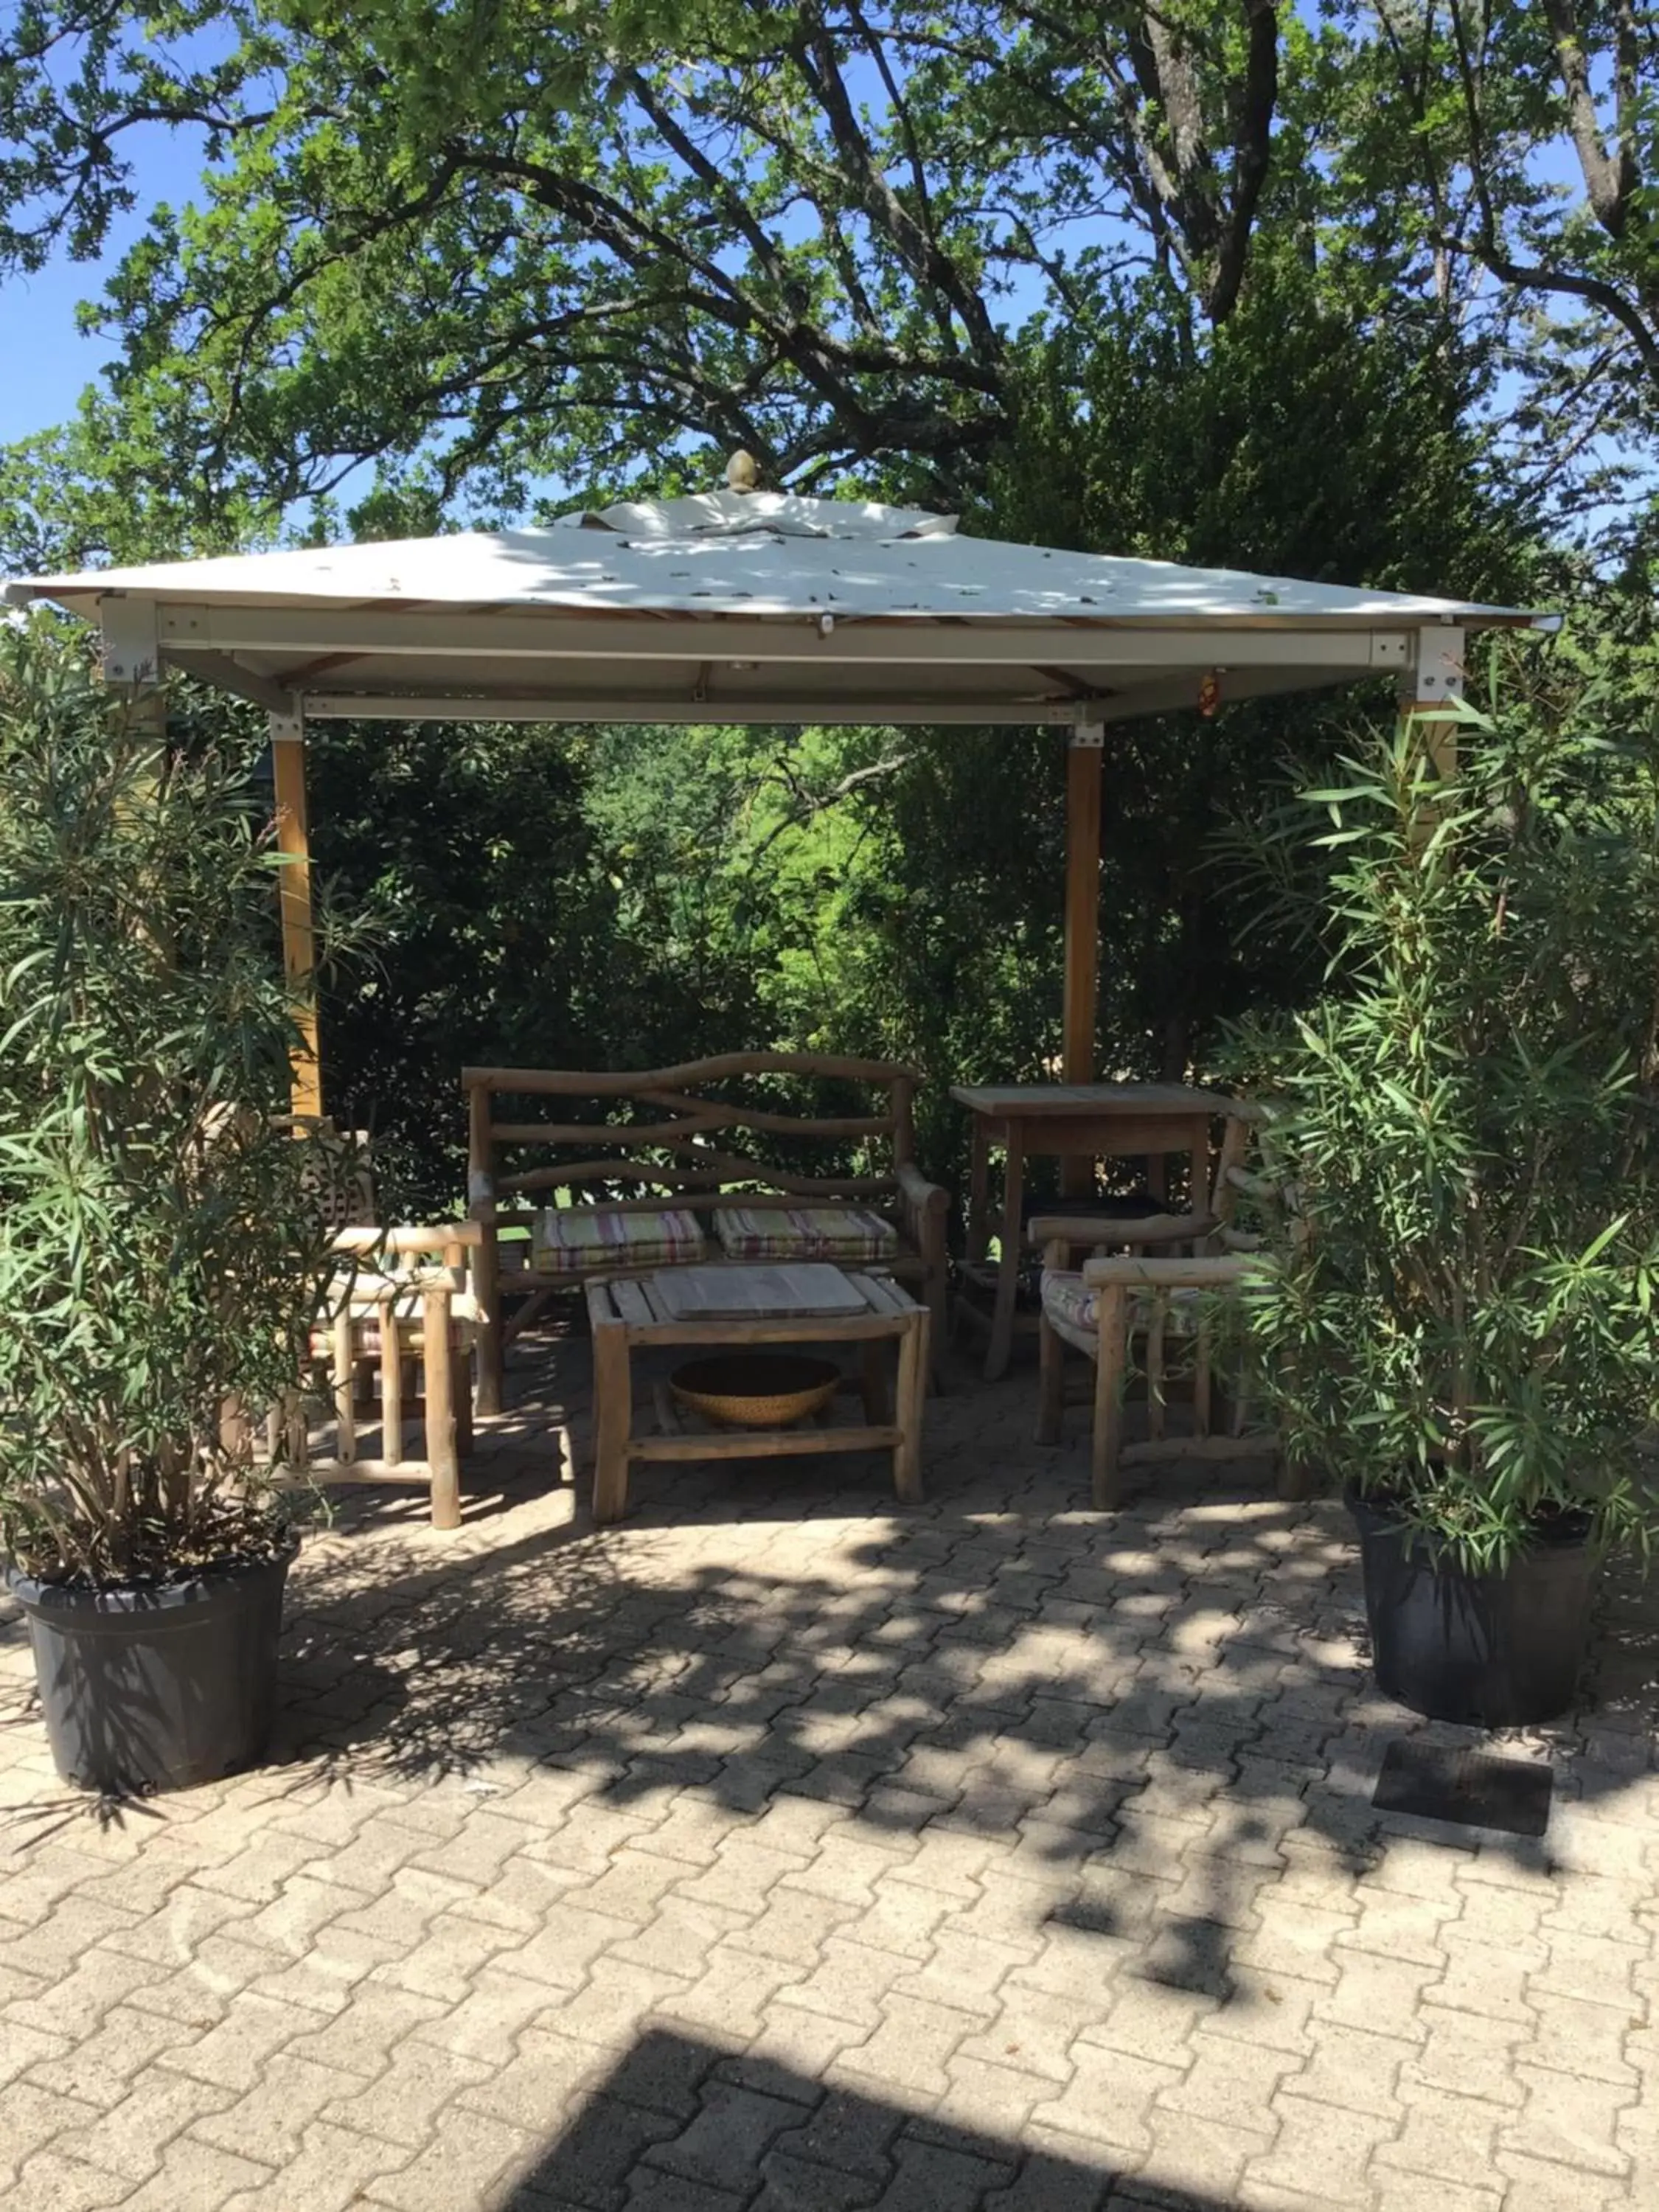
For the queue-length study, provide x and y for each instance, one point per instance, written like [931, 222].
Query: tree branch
[809, 803]
[1609, 179]
[1253, 154]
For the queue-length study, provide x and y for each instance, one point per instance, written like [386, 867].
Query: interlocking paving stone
[1048, 2182]
[269, 2123]
[53, 2183]
[331, 2171]
[726, 2140]
[194, 2177]
[789, 2184]
[773, 1852]
[406, 2104]
[464, 2155]
[1328, 2164]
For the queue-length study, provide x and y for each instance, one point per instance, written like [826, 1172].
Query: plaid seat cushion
[1075, 1311]
[804, 1232]
[365, 1338]
[367, 1288]
[1067, 1304]
[573, 1240]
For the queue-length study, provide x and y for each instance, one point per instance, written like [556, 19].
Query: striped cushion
[1076, 1311]
[573, 1240]
[804, 1232]
[1066, 1302]
[365, 1338]
[408, 1304]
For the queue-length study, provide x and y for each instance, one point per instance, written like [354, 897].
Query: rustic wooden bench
[655, 1173]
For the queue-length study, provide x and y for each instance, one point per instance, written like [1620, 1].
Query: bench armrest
[434, 1239]
[916, 1191]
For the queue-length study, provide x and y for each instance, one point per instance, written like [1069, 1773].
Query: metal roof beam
[1165, 693]
[425, 633]
[476, 707]
[219, 668]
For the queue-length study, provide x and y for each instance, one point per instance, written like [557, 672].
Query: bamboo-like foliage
[161, 1255]
[1472, 1112]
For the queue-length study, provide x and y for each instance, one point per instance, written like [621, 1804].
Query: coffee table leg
[873, 1379]
[912, 1401]
[613, 1403]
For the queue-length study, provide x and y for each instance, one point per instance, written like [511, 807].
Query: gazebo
[746, 607]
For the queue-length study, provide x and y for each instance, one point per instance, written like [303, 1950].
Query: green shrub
[160, 1252]
[1470, 1112]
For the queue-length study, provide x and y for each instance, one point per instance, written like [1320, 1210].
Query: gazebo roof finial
[743, 472]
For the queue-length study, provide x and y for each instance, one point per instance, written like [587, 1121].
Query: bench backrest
[685, 1131]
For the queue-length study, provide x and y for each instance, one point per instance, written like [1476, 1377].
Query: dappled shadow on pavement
[742, 1856]
[680, 2124]
[1154, 1709]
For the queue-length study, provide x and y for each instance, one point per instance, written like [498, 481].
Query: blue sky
[47, 361]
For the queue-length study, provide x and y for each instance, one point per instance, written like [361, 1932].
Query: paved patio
[775, 1851]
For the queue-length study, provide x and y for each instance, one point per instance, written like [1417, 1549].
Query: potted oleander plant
[1457, 1317]
[162, 1246]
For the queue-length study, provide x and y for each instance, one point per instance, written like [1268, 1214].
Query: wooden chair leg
[979, 1193]
[1109, 1368]
[235, 1432]
[345, 1422]
[392, 1385]
[1201, 1377]
[1051, 1383]
[487, 1288]
[442, 1458]
[999, 1350]
[299, 1442]
[938, 1322]
[1297, 1477]
[613, 1394]
[1157, 1325]
[464, 1406]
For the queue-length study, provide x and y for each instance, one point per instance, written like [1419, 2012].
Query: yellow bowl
[756, 1389]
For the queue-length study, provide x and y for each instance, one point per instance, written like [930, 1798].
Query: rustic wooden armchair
[395, 1344]
[402, 1314]
[1143, 1298]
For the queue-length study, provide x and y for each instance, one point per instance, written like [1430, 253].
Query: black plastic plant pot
[1499, 1650]
[158, 1688]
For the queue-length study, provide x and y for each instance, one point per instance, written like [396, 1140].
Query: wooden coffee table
[737, 1305]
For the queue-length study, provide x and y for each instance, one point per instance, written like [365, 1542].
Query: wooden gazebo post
[1085, 755]
[1436, 681]
[287, 758]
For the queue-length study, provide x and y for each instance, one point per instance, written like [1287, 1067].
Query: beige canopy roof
[756, 606]
[749, 606]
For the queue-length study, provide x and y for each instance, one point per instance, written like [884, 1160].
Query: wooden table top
[997, 1100]
[762, 1290]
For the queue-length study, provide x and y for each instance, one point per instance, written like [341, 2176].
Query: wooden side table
[1069, 1121]
[629, 1311]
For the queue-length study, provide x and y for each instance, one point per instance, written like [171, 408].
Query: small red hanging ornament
[1209, 695]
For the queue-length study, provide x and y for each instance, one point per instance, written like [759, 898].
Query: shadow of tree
[1120, 1698]
[1156, 1712]
[679, 2125]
